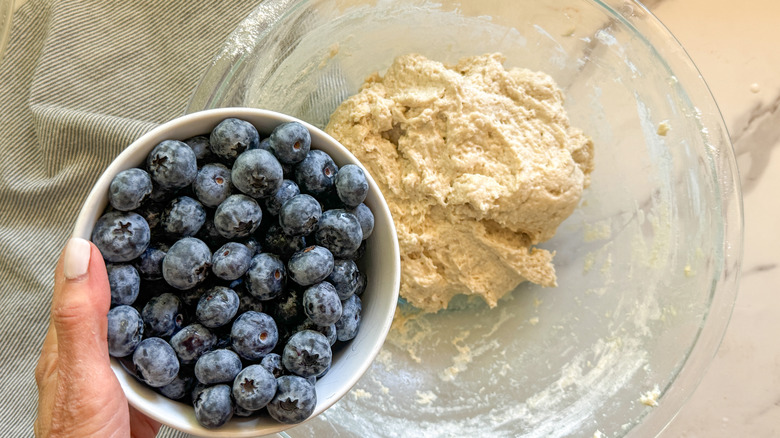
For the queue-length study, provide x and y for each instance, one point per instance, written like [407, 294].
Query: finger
[46, 380]
[80, 303]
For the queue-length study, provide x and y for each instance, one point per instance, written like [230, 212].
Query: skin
[78, 393]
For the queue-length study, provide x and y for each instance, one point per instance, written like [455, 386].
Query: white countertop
[734, 46]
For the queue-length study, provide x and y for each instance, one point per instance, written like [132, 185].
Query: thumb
[81, 300]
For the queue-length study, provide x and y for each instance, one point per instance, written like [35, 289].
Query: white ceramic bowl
[381, 263]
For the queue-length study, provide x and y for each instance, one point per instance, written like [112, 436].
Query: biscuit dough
[478, 164]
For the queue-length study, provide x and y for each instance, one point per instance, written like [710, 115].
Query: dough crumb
[650, 398]
[425, 398]
[478, 164]
[663, 128]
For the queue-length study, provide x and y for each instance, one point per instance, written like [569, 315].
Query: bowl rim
[146, 401]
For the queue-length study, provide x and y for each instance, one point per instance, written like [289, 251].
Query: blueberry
[266, 277]
[351, 185]
[287, 190]
[310, 265]
[129, 189]
[254, 335]
[321, 303]
[178, 388]
[345, 277]
[172, 164]
[340, 232]
[279, 242]
[299, 215]
[212, 184]
[162, 315]
[272, 362]
[149, 264]
[231, 261]
[254, 387]
[155, 362]
[307, 353]
[290, 142]
[238, 411]
[121, 236]
[347, 326]
[328, 330]
[265, 144]
[183, 216]
[125, 330]
[231, 137]
[365, 217]
[192, 341]
[315, 174]
[217, 306]
[125, 282]
[257, 173]
[187, 263]
[201, 147]
[213, 406]
[218, 366]
[238, 216]
[294, 401]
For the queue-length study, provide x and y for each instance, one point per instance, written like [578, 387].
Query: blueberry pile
[232, 265]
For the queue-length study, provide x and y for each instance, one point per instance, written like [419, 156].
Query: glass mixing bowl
[647, 266]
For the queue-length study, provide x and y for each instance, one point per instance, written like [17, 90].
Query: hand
[78, 393]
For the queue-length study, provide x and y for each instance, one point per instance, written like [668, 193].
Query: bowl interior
[647, 266]
[381, 264]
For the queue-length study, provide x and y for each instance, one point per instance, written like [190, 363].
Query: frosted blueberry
[266, 276]
[125, 283]
[340, 232]
[231, 137]
[238, 216]
[321, 303]
[121, 236]
[213, 406]
[310, 265]
[294, 401]
[187, 263]
[212, 184]
[231, 260]
[172, 164]
[125, 330]
[315, 174]
[155, 362]
[129, 189]
[299, 215]
[254, 335]
[254, 387]
[218, 366]
[351, 185]
[217, 307]
[257, 173]
[290, 142]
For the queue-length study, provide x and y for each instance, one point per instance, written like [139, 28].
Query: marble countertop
[733, 44]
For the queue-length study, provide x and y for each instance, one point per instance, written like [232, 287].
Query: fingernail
[76, 262]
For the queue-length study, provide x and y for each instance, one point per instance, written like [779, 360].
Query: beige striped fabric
[80, 80]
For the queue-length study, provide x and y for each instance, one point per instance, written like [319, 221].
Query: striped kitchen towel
[79, 81]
